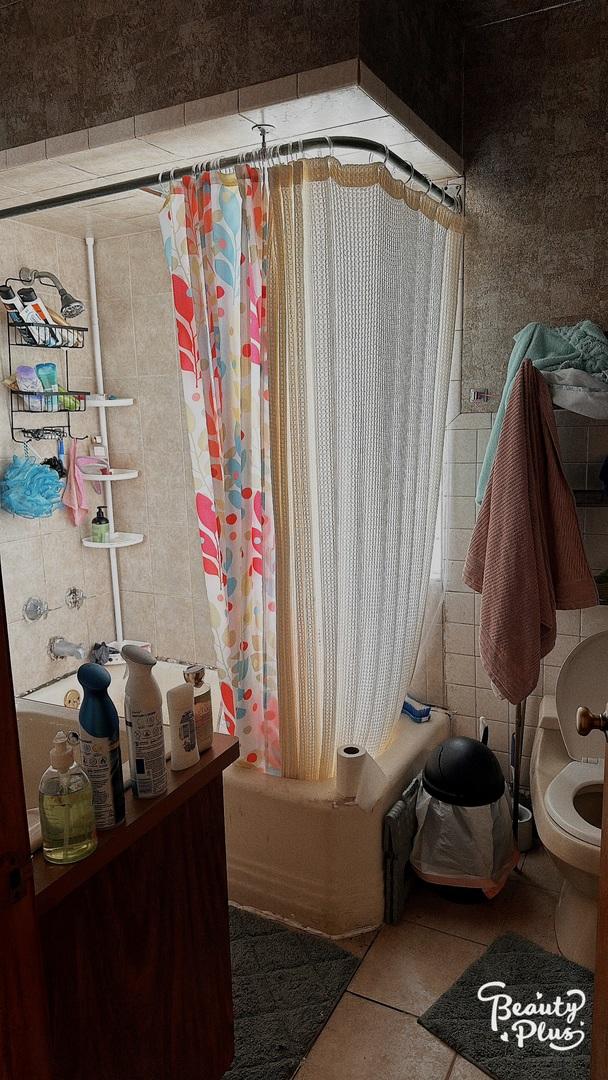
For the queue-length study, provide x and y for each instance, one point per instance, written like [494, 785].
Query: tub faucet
[59, 649]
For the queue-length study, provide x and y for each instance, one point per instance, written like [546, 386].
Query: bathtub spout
[59, 649]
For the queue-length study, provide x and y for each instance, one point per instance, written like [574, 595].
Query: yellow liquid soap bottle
[65, 799]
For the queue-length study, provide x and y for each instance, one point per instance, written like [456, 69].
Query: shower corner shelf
[96, 402]
[113, 477]
[117, 540]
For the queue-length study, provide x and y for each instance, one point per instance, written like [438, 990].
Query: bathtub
[166, 672]
[294, 852]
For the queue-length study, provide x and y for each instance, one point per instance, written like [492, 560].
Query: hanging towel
[74, 496]
[583, 347]
[526, 554]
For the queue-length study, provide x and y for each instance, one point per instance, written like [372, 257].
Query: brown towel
[526, 554]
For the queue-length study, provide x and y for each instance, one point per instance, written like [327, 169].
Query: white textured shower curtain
[362, 298]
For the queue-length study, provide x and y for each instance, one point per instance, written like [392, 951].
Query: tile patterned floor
[372, 1034]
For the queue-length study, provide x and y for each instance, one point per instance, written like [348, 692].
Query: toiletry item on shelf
[180, 703]
[14, 306]
[98, 447]
[65, 800]
[47, 373]
[416, 710]
[100, 527]
[203, 711]
[144, 720]
[29, 383]
[100, 742]
[35, 311]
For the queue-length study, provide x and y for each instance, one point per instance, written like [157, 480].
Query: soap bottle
[203, 712]
[180, 703]
[144, 720]
[14, 306]
[65, 799]
[100, 744]
[100, 527]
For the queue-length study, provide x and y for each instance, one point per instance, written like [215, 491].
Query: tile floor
[373, 1032]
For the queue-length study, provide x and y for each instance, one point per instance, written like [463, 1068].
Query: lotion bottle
[180, 703]
[100, 745]
[144, 720]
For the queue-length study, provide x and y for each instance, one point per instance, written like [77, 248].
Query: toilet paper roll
[349, 770]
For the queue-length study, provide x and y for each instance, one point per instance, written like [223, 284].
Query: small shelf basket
[33, 335]
[48, 401]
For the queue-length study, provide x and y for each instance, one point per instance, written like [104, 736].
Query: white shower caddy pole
[103, 424]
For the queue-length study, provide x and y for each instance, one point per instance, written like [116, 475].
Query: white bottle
[180, 703]
[144, 722]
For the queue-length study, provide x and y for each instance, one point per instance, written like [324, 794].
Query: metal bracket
[14, 873]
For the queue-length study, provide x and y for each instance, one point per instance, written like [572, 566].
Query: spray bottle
[99, 740]
[144, 719]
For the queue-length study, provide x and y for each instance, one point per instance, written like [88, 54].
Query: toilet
[566, 780]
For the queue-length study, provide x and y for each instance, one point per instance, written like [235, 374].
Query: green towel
[583, 346]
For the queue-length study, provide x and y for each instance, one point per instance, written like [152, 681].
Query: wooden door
[24, 1051]
[599, 1057]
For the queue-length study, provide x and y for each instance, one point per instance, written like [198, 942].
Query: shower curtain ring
[386, 153]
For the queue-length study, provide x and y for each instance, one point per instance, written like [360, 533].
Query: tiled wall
[162, 584]
[98, 62]
[416, 48]
[534, 129]
[584, 445]
[44, 557]
[107, 66]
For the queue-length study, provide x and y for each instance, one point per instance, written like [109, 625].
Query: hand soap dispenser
[100, 527]
[67, 820]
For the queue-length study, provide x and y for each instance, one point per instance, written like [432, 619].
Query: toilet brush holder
[525, 829]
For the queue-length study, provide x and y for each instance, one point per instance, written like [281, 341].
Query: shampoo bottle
[35, 312]
[67, 820]
[100, 527]
[144, 719]
[180, 703]
[99, 740]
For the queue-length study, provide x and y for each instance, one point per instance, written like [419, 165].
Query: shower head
[70, 306]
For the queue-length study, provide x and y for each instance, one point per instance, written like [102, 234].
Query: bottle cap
[195, 674]
[62, 754]
[134, 654]
[93, 677]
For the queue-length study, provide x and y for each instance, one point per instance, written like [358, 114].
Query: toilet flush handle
[586, 721]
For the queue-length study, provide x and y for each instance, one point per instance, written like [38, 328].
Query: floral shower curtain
[214, 231]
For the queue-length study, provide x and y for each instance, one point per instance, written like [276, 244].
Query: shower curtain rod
[268, 156]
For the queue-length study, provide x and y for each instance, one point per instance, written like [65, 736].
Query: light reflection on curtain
[214, 232]
[362, 292]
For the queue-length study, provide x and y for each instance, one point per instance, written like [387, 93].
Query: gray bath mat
[530, 975]
[285, 985]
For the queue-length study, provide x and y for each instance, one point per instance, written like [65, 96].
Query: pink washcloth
[74, 496]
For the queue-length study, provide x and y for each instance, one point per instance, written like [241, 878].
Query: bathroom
[534, 251]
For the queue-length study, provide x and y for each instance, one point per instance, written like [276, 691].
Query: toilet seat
[560, 795]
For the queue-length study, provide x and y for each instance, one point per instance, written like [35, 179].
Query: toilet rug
[519, 1013]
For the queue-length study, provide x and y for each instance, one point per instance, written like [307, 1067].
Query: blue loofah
[30, 489]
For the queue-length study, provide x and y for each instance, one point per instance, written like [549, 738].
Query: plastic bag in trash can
[467, 846]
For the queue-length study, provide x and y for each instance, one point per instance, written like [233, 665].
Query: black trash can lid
[463, 772]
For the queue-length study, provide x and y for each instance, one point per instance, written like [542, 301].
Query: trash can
[463, 813]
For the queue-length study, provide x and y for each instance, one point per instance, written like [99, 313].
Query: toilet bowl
[566, 779]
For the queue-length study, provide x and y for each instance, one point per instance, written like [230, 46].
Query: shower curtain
[341, 384]
[362, 296]
[214, 229]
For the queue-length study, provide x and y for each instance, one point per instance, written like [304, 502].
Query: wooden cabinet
[135, 940]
